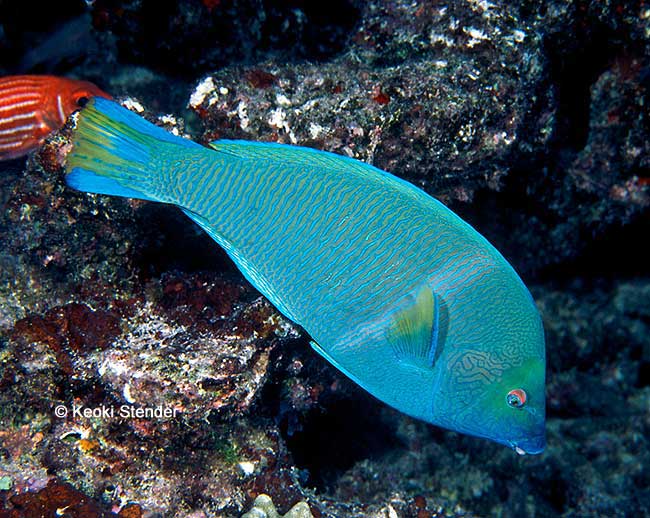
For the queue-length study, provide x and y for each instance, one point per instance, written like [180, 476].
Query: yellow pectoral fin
[414, 332]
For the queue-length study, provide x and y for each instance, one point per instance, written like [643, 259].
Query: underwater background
[528, 118]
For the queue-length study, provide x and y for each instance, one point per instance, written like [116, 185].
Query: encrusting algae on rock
[206, 378]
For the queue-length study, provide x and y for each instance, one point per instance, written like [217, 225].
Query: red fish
[31, 107]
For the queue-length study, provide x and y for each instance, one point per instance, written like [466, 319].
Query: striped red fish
[32, 106]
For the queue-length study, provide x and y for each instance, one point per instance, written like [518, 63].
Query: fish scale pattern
[354, 255]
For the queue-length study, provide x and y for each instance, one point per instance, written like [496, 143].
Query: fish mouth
[530, 445]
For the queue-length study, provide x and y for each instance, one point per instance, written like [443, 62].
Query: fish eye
[516, 398]
[82, 101]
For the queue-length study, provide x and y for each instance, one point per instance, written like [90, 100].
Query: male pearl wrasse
[395, 290]
[31, 107]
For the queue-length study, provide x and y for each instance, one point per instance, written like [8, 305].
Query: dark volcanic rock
[438, 95]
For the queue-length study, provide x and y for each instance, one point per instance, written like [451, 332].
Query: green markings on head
[518, 387]
[490, 397]
[517, 400]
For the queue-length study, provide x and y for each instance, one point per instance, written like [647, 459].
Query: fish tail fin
[119, 153]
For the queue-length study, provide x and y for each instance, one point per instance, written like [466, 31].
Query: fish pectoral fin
[413, 333]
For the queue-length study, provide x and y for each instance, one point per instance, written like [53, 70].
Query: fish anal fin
[316, 347]
[252, 274]
[413, 332]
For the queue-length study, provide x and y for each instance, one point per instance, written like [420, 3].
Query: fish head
[511, 410]
[491, 380]
[79, 93]
[66, 96]
[474, 364]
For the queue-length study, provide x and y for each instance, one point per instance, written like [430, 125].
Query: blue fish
[396, 291]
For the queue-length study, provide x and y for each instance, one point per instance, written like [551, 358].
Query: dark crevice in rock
[612, 254]
[182, 41]
[574, 73]
[643, 377]
[173, 242]
[22, 31]
[333, 439]
[174, 38]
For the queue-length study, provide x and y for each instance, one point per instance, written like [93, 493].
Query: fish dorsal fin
[288, 154]
[414, 333]
[270, 151]
[314, 160]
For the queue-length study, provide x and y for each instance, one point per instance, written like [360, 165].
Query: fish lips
[530, 445]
